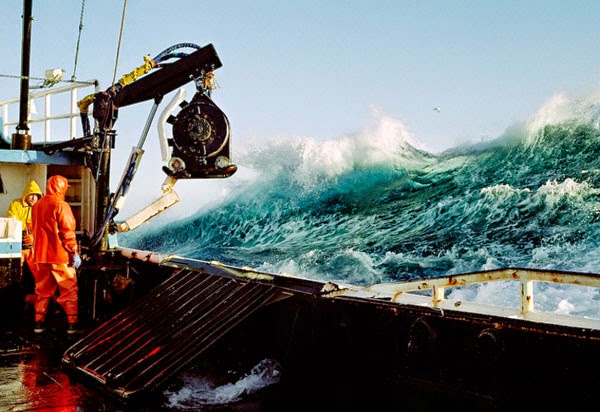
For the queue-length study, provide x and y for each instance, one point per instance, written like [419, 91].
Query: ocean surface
[371, 207]
[363, 209]
[375, 207]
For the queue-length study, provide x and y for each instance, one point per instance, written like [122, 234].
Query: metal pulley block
[201, 144]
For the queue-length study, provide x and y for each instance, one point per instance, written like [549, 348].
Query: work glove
[76, 261]
[28, 240]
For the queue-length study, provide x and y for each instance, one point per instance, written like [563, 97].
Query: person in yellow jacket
[55, 253]
[20, 209]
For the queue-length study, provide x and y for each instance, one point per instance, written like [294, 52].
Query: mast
[103, 199]
[22, 139]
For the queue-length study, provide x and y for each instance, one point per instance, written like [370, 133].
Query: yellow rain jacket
[19, 209]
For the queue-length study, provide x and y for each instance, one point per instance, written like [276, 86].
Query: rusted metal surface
[291, 284]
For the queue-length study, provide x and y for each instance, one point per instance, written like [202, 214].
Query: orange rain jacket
[54, 225]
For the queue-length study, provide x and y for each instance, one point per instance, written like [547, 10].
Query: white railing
[404, 292]
[526, 278]
[67, 112]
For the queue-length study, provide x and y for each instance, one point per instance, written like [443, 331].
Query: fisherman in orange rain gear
[55, 253]
[20, 209]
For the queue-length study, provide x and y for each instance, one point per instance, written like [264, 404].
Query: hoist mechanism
[200, 144]
[199, 147]
[200, 141]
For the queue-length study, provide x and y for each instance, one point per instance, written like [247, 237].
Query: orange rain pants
[27, 256]
[48, 277]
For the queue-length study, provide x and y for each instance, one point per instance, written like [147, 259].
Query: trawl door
[152, 340]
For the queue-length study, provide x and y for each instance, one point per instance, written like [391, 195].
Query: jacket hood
[57, 185]
[32, 188]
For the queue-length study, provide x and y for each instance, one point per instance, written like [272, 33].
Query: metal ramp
[155, 338]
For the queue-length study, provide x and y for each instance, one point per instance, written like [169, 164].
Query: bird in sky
[437, 109]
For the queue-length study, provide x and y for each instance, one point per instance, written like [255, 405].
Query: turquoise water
[374, 207]
[371, 207]
[367, 208]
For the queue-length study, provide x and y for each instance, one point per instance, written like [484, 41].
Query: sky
[322, 69]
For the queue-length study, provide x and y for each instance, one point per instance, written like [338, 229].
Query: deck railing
[67, 111]
[436, 290]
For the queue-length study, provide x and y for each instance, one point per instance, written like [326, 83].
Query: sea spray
[370, 207]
